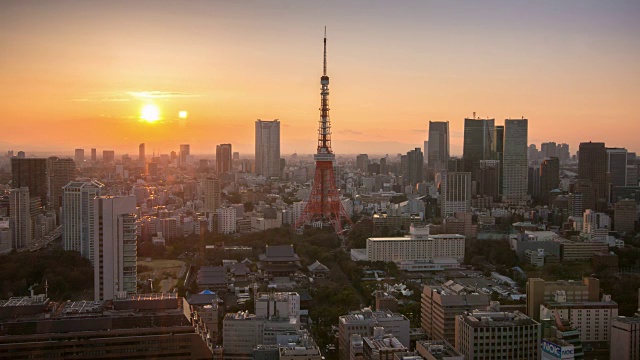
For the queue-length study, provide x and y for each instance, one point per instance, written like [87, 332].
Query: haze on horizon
[75, 74]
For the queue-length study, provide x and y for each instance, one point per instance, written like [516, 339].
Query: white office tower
[20, 217]
[298, 208]
[596, 226]
[115, 244]
[226, 220]
[455, 192]
[515, 166]
[268, 148]
[211, 191]
[77, 216]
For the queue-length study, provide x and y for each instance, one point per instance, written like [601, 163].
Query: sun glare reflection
[150, 113]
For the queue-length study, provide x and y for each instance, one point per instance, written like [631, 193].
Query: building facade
[497, 335]
[455, 192]
[438, 147]
[78, 216]
[515, 165]
[267, 148]
[115, 246]
[419, 245]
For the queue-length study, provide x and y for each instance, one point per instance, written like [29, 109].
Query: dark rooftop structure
[147, 327]
[212, 277]
[278, 261]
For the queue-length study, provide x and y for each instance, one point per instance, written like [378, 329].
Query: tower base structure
[324, 202]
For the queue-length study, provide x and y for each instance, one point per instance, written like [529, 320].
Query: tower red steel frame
[324, 203]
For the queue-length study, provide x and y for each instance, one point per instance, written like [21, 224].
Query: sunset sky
[75, 74]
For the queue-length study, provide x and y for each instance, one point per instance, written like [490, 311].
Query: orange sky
[68, 70]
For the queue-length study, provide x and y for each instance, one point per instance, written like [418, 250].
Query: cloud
[351, 132]
[131, 95]
[155, 94]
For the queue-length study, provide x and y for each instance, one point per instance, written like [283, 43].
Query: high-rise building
[94, 155]
[591, 318]
[549, 178]
[592, 166]
[78, 227]
[226, 220]
[211, 192]
[438, 152]
[478, 143]
[625, 216]
[625, 338]
[455, 192]
[115, 246]
[539, 291]
[415, 166]
[185, 151]
[62, 171]
[20, 217]
[30, 173]
[549, 149]
[79, 157]
[632, 170]
[439, 306]
[563, 153]
[362, 161]
[141, 154]
[224, 161]
[497, 335]
[616, 169]
[6, 239]
[108, 156]
[489, 178]
[532, 153]
[515, 167]
[267, 148]
[595, 225]
[498, 151]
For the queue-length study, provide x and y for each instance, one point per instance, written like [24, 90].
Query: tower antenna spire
[324, 67]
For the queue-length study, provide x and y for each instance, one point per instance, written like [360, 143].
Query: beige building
[437, 350]
[382, 346]
[362, 323]
[625, 338]
[497, 335]
[578, 250]
[592, 318]
[302, 348]
[419, 245]
[441, 304]
[539, 291]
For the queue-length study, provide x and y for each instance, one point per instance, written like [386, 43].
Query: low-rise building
[148, 325]
[362, 323]
[438, 350]
[418, 246]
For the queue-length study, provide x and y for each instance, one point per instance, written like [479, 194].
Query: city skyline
[210, 80]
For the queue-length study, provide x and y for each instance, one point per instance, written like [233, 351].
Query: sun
[150, 113]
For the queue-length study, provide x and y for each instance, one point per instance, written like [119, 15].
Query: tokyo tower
[324, 203]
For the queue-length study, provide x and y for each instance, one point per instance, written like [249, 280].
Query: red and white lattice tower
[324, 203]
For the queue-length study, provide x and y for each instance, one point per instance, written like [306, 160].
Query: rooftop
[628, 320]
[24, 301]
[478, 318]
